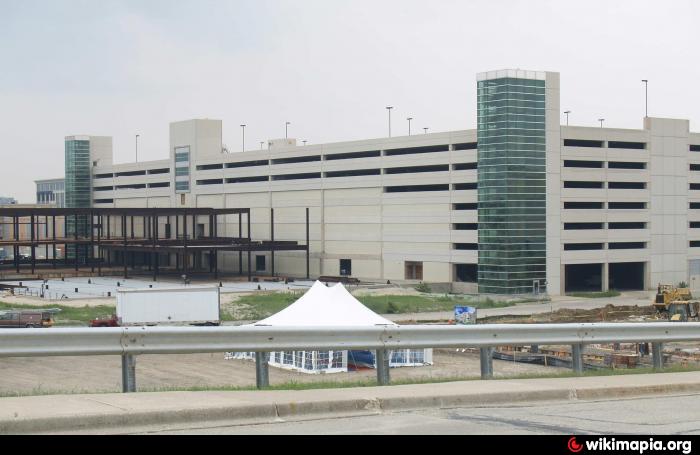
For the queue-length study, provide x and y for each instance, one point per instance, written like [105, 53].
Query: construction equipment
[676, 303]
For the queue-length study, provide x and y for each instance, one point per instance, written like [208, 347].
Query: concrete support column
[604, 275]
[486, 361]
[262, 370]
[382, 361]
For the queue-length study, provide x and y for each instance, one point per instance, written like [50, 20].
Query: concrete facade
[405, 208]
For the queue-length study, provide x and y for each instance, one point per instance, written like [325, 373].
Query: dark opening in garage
[626, 276]
[466, 272]
[583, 278]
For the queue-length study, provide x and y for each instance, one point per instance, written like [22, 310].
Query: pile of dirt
[609, 313]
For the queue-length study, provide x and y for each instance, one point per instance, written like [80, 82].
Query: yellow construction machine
[676, 303]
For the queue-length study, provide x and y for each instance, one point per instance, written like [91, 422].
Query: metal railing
[129, 342]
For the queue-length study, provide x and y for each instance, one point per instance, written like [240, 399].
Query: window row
[611, 205]
[602, 144]
[600, 185]
[601, 246]
[591, 164]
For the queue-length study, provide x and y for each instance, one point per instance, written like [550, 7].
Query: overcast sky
[120, 68]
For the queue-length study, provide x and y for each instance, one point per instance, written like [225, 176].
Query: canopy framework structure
[185, 240]
[328, 307]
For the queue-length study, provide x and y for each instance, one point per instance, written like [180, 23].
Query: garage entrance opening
[583, 278]
[466, 273]
[626, 276]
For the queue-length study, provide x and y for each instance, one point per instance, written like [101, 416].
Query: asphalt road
[674, 414]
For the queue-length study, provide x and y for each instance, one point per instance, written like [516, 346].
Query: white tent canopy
[323, 306]
[327, 307]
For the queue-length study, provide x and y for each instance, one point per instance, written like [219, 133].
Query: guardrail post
[128, 373]
[657, 355]
[577, 358]
[486, 361]
[262, 371]
[382, 361]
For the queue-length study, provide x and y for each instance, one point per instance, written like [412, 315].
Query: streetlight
[286, 125]
[389, 108]
[304, 143]
[137, 148]
[646, 97]
[426, 130]
[261, 144]
[601, 120]
[409, 125]
[243, 128]
[567, 117]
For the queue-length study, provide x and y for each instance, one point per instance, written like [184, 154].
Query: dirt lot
[103, 373]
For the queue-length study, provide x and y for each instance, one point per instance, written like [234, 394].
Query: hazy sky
[120, 68]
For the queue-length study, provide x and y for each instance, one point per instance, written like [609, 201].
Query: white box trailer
[183, 305]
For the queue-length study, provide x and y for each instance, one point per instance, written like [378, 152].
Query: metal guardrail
[131, 341]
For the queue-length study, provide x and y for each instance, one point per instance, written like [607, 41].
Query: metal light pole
[389, 108]
[261, 144]
[567, 117]
[243, 128]
[646, 97]
[304, 143]
[286, 125]
[137, 148]
[409, 125]
[601, 120]
[426, 130]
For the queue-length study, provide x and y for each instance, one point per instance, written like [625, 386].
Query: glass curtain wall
[77, 191]
[511, 184]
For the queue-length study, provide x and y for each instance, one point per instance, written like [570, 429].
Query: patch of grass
[594, 295]
[260, 306]
[423, 287]
[67, 315]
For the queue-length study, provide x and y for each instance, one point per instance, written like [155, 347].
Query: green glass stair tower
[511, 181]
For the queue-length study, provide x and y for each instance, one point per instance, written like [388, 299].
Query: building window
[582, 246]
[345, 267]
[627, 145]
[582, 184]
[259, 263]
[583, 163]
[583, 205]
[413, 270]
[626, 165]
[582, 143]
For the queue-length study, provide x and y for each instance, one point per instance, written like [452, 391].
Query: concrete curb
[275, 406]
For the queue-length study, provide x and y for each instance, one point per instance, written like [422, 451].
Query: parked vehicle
[105, 321]
[15, 319]
[192, 305]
